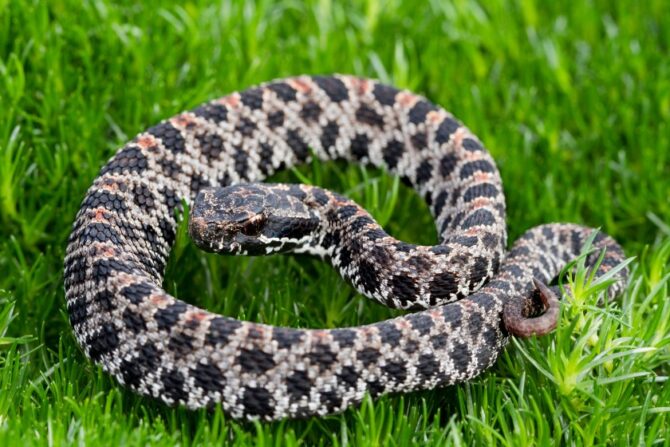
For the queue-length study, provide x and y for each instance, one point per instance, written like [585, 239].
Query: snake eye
[253, 227]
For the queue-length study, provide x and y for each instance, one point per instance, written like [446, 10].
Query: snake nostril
[197, 228]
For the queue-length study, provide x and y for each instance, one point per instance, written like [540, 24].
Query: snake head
[251, 219]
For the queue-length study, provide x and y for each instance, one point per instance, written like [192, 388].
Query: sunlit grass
[572, 99]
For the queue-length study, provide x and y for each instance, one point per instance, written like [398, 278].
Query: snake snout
[201, 233]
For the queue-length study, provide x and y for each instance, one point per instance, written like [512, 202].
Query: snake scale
[468, 294]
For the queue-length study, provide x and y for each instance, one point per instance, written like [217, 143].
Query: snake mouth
[228, 238]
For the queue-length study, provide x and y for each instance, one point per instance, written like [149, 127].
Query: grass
[572, 99]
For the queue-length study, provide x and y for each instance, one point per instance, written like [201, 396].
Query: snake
[465, 296]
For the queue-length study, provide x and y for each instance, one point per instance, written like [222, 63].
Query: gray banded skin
[160, 346]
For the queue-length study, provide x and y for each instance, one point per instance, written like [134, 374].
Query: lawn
[571, 98]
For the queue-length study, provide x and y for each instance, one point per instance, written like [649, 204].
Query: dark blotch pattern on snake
[162, 347]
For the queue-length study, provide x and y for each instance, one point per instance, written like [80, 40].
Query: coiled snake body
[162, 347]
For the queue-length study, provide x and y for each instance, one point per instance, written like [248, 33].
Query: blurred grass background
[571, 98]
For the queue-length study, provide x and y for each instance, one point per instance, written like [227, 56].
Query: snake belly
[162, 347]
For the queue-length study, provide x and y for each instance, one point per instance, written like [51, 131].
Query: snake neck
[379, 266]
